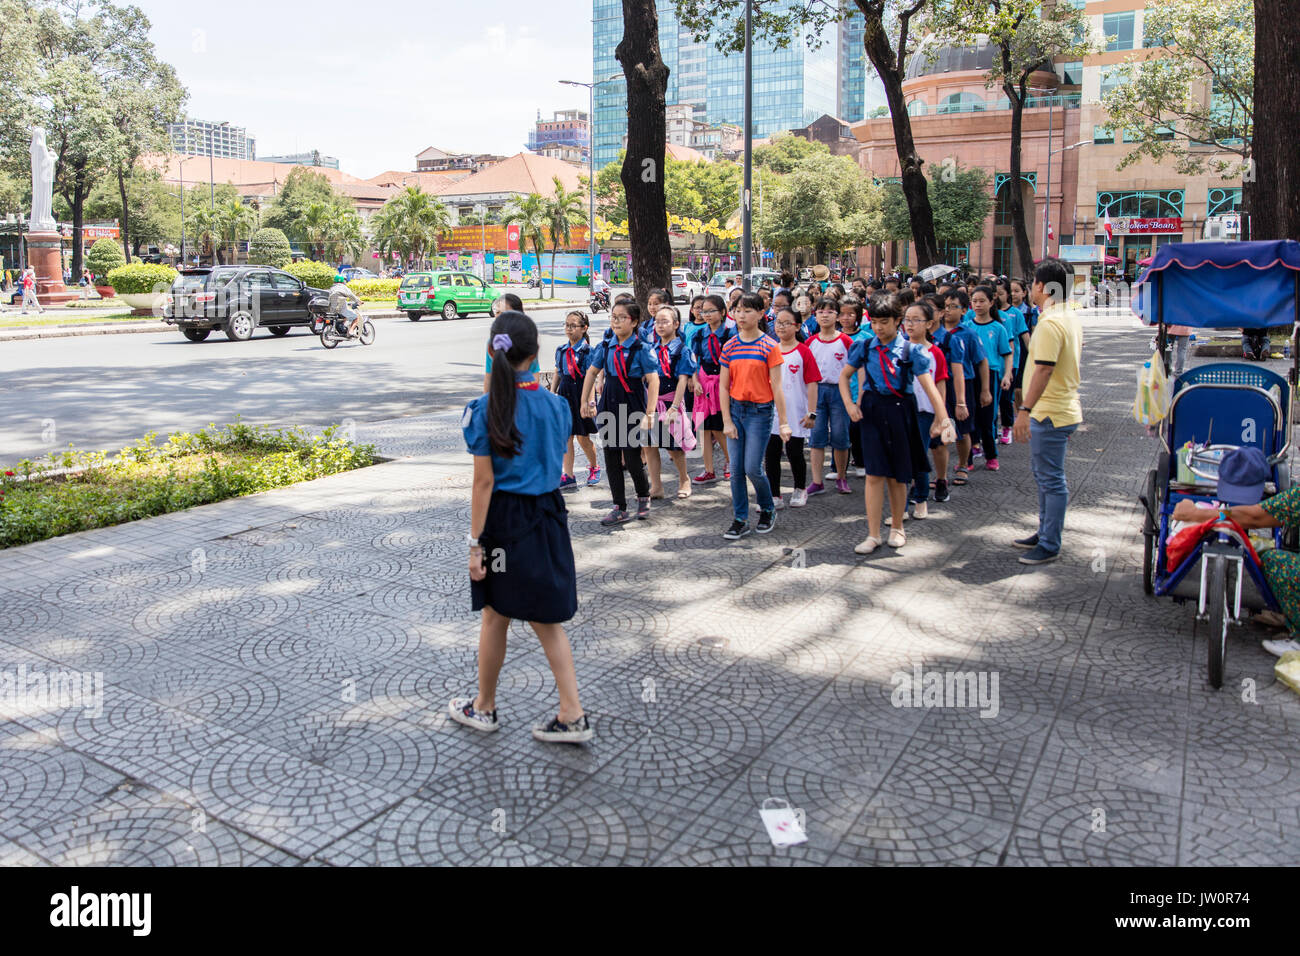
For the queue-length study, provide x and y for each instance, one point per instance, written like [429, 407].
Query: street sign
[1086, 253]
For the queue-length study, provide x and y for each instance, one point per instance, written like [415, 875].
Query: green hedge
[142, 278]
[151, 478]
[269, 247]
[375, 290]
[104, 256]
[318, 275]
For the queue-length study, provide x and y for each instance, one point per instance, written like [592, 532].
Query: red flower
[9, 474]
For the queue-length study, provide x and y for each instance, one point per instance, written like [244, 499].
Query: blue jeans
[753, 423]
[921, 483]
[1047, 456]
[832, 424]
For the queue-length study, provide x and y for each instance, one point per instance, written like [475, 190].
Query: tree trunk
[1275, 209]
[643, 169]
[126, 217]
[78, 203]
[889, 67]
[554, 246]
[1023, 251]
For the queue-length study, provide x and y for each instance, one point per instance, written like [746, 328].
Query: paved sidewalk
[277, 670]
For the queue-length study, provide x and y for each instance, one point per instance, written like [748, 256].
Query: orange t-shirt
[749, 366]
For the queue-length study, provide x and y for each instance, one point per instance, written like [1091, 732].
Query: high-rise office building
[200, 137]
[792, 87]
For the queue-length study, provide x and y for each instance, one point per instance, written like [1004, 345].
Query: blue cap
[1242, 474]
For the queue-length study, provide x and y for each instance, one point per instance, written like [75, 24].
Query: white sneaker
[461, 710]
[860, 472]
[921, 510]
[1279, 647]
[799, 498]
[780, 504]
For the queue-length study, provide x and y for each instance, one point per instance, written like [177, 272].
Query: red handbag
[1180, 545]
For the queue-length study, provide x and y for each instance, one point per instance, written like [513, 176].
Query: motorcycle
[333, 328]
[599, 301]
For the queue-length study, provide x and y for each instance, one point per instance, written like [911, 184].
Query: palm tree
[233, 219]
[531, 213]
[345, 227]
[207, 230]
[410, 224]
[564, 210]
[314, 228]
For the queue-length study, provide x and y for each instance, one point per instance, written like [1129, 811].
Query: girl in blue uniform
[520, 556]
[626, 410]
[997, 347]
[891, 437]
[571, 363]
[708, 345]
[673, 432]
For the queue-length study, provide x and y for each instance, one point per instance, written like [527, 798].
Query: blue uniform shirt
[863, 334]
[689, 331]
[581, 359]
[811, 326]
[961, 345]
[884, 363]
[708, 348]
[674, 359]
[545, 422]
[993, 336]
[638, 365]
[534, 368]
[1014, 320]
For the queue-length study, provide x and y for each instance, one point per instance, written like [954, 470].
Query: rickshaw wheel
[1149, 564]
[1216, 598]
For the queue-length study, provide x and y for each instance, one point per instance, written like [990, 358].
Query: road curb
[123, 327]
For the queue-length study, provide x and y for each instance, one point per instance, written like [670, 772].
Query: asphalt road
[105, 391]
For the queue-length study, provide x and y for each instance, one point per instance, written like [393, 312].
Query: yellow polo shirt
[1058, 339]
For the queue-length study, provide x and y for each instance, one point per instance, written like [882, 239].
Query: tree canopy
[1195, 104]
[961, 200]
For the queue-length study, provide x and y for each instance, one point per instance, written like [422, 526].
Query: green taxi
[447, 293]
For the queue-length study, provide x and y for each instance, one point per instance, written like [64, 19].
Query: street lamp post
[1047, 205]
[481, 209]
[746, 227]
[591, 166]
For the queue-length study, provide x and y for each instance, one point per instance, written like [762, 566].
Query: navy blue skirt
[891, 437]
[529, 558]
[571, 390]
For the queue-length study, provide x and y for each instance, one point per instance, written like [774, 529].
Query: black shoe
[766, 521]
[941, 492]
[737, 531]
[643, 508]
[1025, 544]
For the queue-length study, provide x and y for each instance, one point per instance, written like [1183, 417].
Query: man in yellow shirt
[1051, 411]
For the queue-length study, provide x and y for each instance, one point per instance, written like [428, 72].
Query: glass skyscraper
[792, 87]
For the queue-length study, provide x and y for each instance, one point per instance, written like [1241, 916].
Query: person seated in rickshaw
[1242, 475]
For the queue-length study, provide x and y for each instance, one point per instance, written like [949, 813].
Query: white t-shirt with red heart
[831, 356]
[797, 371]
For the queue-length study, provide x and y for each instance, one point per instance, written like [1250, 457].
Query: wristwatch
[1025, 408]
[471, 541]
[812, 414]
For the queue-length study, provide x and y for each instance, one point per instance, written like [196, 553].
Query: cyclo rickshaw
[1212, 409]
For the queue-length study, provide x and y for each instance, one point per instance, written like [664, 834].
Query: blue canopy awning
[1218, 285]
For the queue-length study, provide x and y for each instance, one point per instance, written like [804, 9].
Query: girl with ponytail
[520, 556]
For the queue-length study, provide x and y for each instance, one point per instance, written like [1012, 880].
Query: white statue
[42, 184]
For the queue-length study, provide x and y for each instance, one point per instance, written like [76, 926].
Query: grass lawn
[10, 320]
[77, 491]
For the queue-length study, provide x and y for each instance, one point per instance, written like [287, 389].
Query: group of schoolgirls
[880, 392]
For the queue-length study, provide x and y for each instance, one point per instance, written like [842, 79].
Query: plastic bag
[1287, 670]
[1151, 404]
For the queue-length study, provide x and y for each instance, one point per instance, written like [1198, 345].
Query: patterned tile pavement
[274, 673]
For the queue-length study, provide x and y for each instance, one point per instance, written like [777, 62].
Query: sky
[374, 90]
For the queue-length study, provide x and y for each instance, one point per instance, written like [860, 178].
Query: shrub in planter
[141, 278]
[269, 247]
[104, 256]
[141, 286]
[318, 275]
[375, 290]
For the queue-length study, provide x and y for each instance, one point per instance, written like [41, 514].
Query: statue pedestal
[44, 255]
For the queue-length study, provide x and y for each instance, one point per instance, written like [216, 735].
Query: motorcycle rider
[600, 290]
[344, 302]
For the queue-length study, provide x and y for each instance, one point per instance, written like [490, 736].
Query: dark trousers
[616, 460]
[772, 463]
[855, 443]
[985, 432]
[1007, 408]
